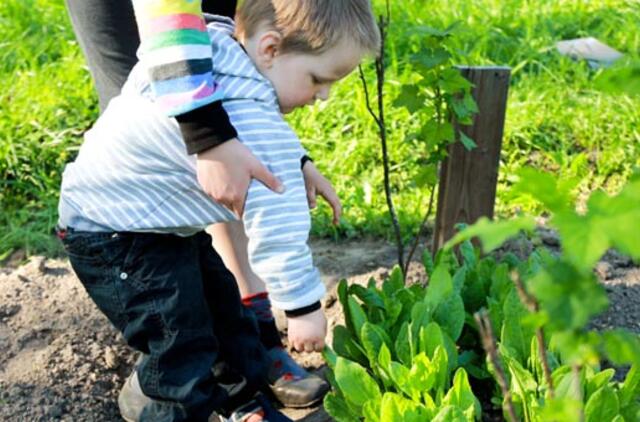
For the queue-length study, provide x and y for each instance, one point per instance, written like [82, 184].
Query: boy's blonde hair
[312, 26]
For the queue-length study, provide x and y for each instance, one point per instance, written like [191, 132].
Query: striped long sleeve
[176, 51]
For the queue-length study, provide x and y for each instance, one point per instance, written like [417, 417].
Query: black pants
[108, 35]
[173, 299]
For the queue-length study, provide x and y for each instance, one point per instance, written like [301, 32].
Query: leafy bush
[415, 352]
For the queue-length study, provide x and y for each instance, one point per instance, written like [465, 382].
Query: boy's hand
[225, 171]
[317, 184]
[307, 332]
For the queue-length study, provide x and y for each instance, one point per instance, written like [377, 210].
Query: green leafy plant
[411, 352]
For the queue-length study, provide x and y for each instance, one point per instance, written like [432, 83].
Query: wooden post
[468, 179]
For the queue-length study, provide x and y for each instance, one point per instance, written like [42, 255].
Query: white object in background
[594, 51]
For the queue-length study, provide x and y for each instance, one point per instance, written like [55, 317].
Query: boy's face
[301, 79]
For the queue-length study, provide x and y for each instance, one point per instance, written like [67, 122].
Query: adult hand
[225, 171]
[316, 184]
[307, 332]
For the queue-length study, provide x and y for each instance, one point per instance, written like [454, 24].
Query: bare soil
[60, 359]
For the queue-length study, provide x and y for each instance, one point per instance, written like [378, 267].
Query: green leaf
[468, 252]
[400, 374]
[368, 296]
[450, 314]
[437, 133]
[514, 334]
[427, 175]
[345, 345]
[394, 283]
[561, 409]
[599, 380]
[468, 143]
[570, 386]
[393, 309]
[358, 317]
[394, 408]
[343, 294]
[338, 408]
[430, 338]
[630, 390]
[427, 260]
[330, 357]
[452, 82]
[622, 347]
[470, 103]
[403, 345]
[428, 59]
[384, 357]
[523, 383]
[355, 382]
[545, 188]
[422, 376]
[460, 395]
[492, 234]
[371, 410]
[411, 98]
[373, 337]
[439, 287]
[602, 406]
[450, 414]
[562, 292]
[436, 32]
[441, 363]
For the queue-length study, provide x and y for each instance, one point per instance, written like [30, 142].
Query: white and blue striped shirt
[133, 174]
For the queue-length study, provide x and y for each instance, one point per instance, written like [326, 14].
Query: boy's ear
[268, 47]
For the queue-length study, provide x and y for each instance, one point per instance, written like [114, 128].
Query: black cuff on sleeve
[304, 160]
[304, 310]
[205, 127]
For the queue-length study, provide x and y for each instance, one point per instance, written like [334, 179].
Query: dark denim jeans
[173, 300]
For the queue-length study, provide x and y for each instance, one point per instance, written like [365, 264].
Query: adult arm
[176, 51]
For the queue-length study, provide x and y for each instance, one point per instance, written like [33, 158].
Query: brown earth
[60, 359]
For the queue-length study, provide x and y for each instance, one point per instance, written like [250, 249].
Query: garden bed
[61, 360]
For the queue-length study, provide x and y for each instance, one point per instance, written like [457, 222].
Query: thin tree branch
[382, 129]
[532, 304]
[366, 97]
[489, 344]
[421, 230]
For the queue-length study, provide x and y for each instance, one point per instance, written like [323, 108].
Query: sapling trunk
[383, 23]
[421, 230]
[489, 344]
[532, 304]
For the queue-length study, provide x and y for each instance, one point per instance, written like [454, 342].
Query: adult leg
[108, 36]
[292, 384]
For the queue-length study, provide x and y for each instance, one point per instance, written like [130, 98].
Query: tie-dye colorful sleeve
[176, 50]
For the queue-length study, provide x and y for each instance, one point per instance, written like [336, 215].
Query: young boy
[132, 212]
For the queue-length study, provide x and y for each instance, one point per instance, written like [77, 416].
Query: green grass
[555, 118]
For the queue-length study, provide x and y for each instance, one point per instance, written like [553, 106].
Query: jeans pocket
[80, 252]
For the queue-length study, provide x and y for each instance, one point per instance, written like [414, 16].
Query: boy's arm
[277, 226]
[176, 51]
